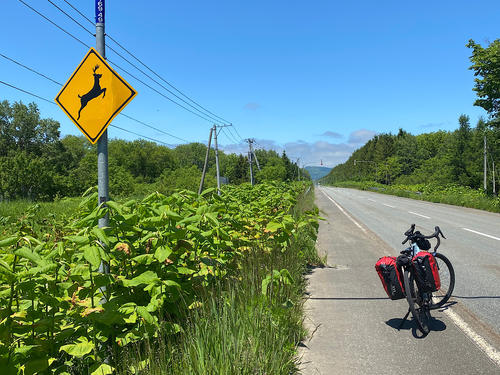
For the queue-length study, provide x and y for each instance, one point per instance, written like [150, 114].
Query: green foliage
[160, 250]
[35, 164]
[486, 66]
[443, 158]
[235, 329]
[450, 194]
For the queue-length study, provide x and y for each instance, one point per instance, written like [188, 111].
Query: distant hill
[318, 172]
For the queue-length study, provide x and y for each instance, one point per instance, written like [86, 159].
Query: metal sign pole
[102, 143]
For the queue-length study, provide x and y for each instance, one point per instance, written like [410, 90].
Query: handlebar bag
[426, 271]
[422, 243]
[391, 277]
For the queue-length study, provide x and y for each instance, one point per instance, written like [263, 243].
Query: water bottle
[416, 249]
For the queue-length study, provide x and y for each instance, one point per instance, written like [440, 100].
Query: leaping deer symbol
[94, 92]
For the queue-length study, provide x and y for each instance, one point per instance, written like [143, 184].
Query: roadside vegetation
[197, 284]
[37, 164]
[452, 194]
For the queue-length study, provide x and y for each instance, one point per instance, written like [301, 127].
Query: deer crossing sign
[94, 95]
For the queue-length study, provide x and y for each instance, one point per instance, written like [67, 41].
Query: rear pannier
[391, 277]
[426, 271]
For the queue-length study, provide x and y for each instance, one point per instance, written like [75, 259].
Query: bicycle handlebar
[414, 236]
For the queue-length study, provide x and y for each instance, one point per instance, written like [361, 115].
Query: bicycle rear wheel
[418, 307]
[447, 278]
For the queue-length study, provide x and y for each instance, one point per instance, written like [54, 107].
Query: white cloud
[330, 154]
[361, 136]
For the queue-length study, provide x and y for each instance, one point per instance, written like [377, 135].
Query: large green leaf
[79, 349]
[24, 252]
[79, 240]
[8, 241]
[273, 226]
[92, 255]
[103, 369]
[101, 235]
[144, 278]
[162, 253]
[144, 313]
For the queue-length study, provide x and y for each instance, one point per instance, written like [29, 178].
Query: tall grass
[59, 208]
[242, 326]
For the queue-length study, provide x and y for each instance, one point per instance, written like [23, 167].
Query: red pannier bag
[391, 277]
[426, 271]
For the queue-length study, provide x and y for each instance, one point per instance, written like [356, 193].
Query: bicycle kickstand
[404, 320]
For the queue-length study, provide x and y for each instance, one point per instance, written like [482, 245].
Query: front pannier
[391, 277]
[426, 271]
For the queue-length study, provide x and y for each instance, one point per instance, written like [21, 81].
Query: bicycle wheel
[447, 277]
[418, 307]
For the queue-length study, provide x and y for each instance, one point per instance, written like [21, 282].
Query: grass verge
[249, 324]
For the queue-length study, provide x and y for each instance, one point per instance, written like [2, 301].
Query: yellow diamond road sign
[94, 95]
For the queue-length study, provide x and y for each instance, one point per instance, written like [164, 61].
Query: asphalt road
[353, 323]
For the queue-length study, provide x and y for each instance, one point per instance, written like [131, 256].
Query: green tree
[486, 67]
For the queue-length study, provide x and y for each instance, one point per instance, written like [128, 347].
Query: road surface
[353, 323]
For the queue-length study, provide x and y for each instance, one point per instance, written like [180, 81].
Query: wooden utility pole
[485, 186]
[206, 162]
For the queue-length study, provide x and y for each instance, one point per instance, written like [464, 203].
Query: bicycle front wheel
[447, 278]
[416, 303]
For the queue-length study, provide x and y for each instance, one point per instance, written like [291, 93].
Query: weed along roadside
[197, 284]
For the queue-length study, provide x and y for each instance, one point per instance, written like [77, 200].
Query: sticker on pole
[94, 95]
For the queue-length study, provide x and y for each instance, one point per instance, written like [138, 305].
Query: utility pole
[298, 169]
[102, 143]
[250, 154]
[494, 182]
[485, 187]
[206, 162]
[214, 129]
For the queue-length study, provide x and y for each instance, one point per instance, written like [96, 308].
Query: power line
[159, 84]
[74, 37]
[80, 13]
[53, 23]
[86, 45]
[158, 92]
[30, 69]
[114, 126]
[60, 84]
[168, 83]
[27, 92]
[140, 135]
[75, 21]
[230, 136]
[152, 127]
[231, 131]
[208, 113]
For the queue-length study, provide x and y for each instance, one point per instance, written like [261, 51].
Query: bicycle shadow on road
[435, 325]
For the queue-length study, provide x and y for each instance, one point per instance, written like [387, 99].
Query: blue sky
[317, 78]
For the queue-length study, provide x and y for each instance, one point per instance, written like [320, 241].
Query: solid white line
[388, 205]
[482, 234]
[414, 213]
[373, 200]
[345, 213]
[489, 350]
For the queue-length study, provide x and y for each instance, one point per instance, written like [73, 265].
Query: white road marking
[489, 350]
[482, 234]
[372, 200]
[345, 213]
[414, 213]
[388, 205]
